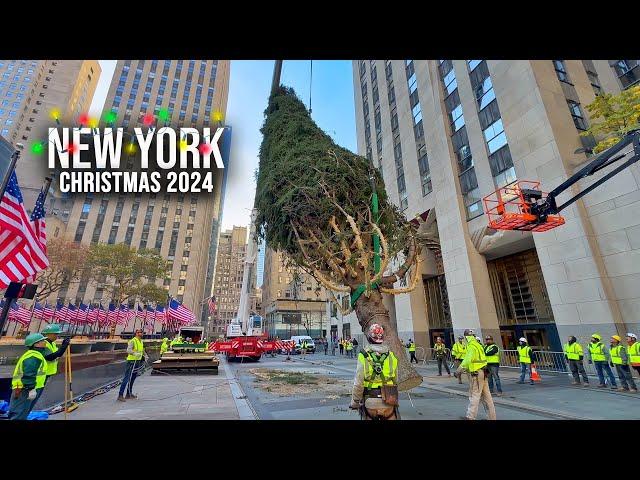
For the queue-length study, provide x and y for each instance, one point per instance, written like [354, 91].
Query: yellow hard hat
[596, 336]
[616, 337]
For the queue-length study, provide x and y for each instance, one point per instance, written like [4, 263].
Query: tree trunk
[372, 310]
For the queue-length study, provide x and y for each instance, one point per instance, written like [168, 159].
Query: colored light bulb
[37, 147]
[72, 148]
[217, 116]
[205, 148]
[83, 119]
[110, 117]
[93, 123]
[163, 114]
[183, 145]
[55, 114]
[131, 148]
[148, 119]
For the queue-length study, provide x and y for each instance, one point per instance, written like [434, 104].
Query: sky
[332, 108]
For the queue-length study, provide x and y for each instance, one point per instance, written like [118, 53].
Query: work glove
[33, 394]
[17, 392]
[590, 362]
[66, 341]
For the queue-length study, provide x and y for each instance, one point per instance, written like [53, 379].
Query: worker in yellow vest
[598, 356]
[52, 353]
[165, 345]
[29, 377]
[375, 387]
[440, 350]
[633, 349]
[524, 357]
[475, 364]
[620, 361]
[574, 355]
[458, 352]
[492, 352]
[412, 351]
[349, 348]
[135, 357]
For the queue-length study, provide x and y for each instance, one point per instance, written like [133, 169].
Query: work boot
[622, 389]
[121, 398]
[602, 385]
[575, 383]
[499, 394]
[634, 390]
[131, 396]
[585, 384]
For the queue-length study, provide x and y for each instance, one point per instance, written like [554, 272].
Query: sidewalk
[554, 395]
[166, 397]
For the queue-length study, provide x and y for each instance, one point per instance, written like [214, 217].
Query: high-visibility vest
[634, 353]
[439, 349]
[52, 365]
[616, 355]
[479, 359]
[573, 351]
[389, 369]
[596, 350]
[41, 376]
[495, 358]
[412, 347]
[164, 347]
[349, 346]
[524, 354]
[459, 350]
[138, 349]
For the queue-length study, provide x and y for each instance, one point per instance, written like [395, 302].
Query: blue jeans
[624, 373]
[20, 408]
[602, 367]
[493, 373]
[523, 371]
[130, 374]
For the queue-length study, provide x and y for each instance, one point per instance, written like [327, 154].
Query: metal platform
[205, 362]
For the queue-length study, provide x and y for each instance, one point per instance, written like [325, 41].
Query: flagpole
[33, 305]
[135, 317]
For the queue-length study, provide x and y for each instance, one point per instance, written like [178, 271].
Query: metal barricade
[545, 361]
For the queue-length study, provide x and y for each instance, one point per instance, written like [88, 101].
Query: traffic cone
[535, 376]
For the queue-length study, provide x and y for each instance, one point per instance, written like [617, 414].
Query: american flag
[101, 315]
[160, 314]
[72, 314]
[181, 313]
[92, 316]
[112, 314]
[212, 305]
[22, 315]
[83, 313]
[23, 251]
[60, 314]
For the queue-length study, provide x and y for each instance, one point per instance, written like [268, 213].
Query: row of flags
[173, 315]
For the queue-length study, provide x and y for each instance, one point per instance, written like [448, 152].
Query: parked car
[311, 346]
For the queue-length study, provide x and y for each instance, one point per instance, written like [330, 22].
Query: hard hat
[616, 337]
[165, 339]
[375, 333]
[479, 339]
[632, 335]
[33, 338]
[52, 328]
[468, 332]
[596, 336]
[522, 339]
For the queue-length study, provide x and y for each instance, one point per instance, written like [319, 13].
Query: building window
[561, 71]
[425, 174]
[495, 137]
[578, 117]
[628, 72]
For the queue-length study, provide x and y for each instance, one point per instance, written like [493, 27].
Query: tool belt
[388, 394]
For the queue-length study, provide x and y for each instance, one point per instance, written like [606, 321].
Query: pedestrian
[341, 347]
[354, 342]
[52, 353]
[474, 363]
[598, 356]
[303, 348]
[524, 357]
[458, 352]
[375, 390]
[633, 351]
[29, 376]
[333, 346]
[492, 352]
[412, 351]
[440, 350]
[574, 355]
[349, 347]
[135, 356]
[620, 360]
[326, 345]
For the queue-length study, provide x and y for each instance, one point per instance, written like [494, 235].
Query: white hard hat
[479, 339]
[632, 335]
[522, 339]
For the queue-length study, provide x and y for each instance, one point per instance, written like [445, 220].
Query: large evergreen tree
[314, 203]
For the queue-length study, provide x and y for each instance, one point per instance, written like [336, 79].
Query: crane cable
[310, 86]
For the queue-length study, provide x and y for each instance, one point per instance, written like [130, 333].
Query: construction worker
[633, 351]
[135, 351]
[475, 363]
[377, 368]
[29, 377]
[52, 352]
[303, 348]
[349, 347]
[524, 357]
[412, 351]
[598, 356]
[492, 352]
[620, 360]
[341, 346]
[354, 343]
[458, 352]
[574, 355]
[440, 350]
[165, 345]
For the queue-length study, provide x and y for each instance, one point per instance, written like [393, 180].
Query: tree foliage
[127, 273]
[613, 116]
[66, 263]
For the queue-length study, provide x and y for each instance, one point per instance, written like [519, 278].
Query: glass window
[495, 136]
[576, 113]
[561, 70]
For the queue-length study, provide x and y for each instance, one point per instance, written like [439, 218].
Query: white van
[311, 346]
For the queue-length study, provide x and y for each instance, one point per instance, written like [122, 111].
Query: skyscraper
[446, 133]
[182, 227]
[32, 94]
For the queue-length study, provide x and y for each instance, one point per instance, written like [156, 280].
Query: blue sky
[331, 102]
